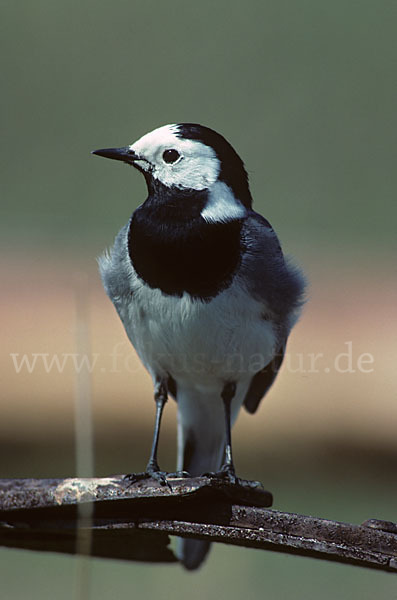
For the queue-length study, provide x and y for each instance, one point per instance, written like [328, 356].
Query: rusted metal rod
[134, 522]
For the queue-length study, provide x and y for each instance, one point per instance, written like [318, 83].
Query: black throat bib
[174, 249]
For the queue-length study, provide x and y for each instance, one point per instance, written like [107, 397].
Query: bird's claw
[179, 475]
[152, 473]
[159, 476]
[228, 474]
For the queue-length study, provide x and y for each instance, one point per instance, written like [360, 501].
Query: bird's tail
[201, 445]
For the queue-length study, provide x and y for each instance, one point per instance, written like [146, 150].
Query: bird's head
[187, 156]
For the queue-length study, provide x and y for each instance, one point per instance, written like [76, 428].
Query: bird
[205, 294]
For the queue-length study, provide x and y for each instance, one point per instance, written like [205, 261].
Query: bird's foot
[179, 475]
[153, 472]
[159, 476]
[228, 474]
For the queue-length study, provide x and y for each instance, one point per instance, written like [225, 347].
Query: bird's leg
[227, 471]
[160, 397]
[227, 468]
[152, 468]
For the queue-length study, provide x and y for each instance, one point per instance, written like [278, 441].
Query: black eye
[170, 156]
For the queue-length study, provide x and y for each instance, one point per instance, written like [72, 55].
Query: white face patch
[197, 166]
[222, 205]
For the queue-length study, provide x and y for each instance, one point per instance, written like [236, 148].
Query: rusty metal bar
[134, 522]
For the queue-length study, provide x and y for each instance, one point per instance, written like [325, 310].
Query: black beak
[124, 154]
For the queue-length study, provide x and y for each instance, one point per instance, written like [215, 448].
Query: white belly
[200, 343]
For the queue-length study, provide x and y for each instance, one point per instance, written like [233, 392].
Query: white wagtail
[204, 293]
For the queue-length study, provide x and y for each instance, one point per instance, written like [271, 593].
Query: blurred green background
[306, 92]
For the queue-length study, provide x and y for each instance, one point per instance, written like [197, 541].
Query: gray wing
[116, 271]
[267, 274]
[271, 279]
[262, 381]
